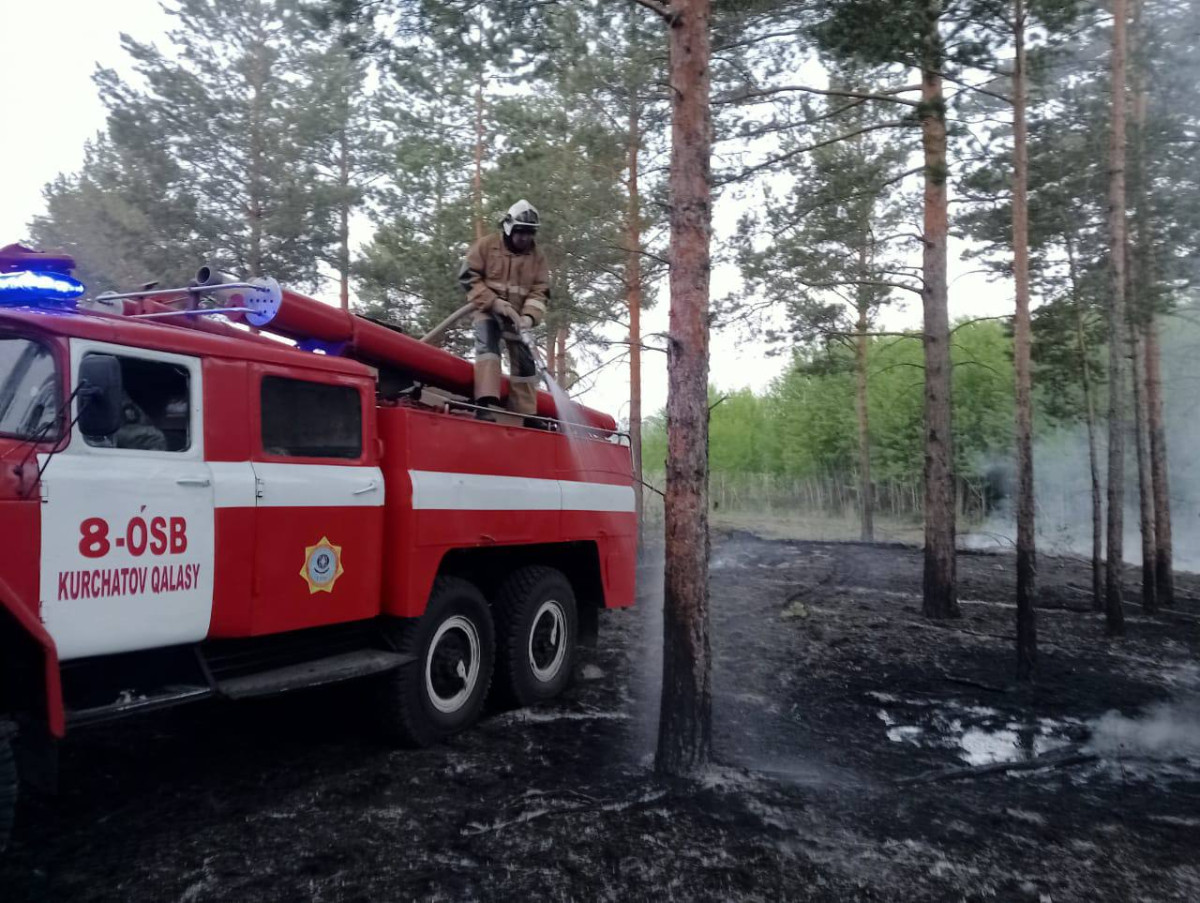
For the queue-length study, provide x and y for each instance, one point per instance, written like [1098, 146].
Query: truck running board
[130, 704]
[347, 666]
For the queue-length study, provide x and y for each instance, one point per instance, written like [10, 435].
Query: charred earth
[867, 754]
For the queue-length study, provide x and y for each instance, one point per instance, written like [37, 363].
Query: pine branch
[972, 322]
[668, 15]
[978, 89]
[876, 283]
[871, 191]
[758, 39]
[792, 124]
[888, 96]
[783, 158]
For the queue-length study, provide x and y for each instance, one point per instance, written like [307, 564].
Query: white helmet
[523, 214]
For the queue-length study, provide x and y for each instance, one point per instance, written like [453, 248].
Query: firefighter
[507, 280]
[137, 430]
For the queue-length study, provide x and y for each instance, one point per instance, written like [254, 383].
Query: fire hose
[526, 335]
[438, 331]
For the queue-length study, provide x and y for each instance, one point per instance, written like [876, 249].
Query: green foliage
[829, 249]
[905, 31]
[804, 426]
[1069, 112]
[1067, 337]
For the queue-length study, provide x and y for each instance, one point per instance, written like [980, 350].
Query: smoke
[1165, 731]
[648, 647]
[1063, 480]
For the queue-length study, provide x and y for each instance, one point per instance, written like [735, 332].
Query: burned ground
[842, 718]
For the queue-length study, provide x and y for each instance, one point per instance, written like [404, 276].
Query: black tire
[8, 781]
[444, 690]
[537, 630]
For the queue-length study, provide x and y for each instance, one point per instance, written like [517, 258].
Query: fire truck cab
[190, 510]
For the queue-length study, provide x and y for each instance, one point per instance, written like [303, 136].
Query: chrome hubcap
[452, 664]
[548, 641]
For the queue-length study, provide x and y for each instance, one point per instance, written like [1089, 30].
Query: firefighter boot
[487, 364]
[487, 402]
[523, 379]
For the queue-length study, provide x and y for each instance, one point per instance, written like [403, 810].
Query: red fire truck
[190, 508]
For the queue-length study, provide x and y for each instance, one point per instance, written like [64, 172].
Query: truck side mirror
[99, 395]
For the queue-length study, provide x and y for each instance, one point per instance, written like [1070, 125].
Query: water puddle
[976, 735]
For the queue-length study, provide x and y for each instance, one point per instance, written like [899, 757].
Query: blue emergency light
[24, 287]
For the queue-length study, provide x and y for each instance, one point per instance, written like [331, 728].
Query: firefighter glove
[504, 309]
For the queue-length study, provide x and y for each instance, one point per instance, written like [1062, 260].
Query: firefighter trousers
[490, 329]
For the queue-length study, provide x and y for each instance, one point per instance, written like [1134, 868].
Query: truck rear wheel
[8, 781]
[444, 689]
[537, 626]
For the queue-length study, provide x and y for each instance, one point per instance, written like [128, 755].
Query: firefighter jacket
[491, 271]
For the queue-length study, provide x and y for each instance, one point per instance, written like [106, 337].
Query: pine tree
[911, 34]
[437, 112]
[685, 720]
[1115, 558]
[125, 218]
[344, 145]
[406, 273]
[1062, 224]
[627, 77]
[1022, 353]
[1165, 221]
[828, 251]
[230, 103]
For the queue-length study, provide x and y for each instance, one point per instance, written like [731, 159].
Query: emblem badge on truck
[322, 566]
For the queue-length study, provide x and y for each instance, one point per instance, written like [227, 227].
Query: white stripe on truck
[439, 491]
[241, 484]
[335, 486]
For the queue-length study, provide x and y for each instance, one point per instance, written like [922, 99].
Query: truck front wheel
[8, 781]
[443, 690]
[537, 626]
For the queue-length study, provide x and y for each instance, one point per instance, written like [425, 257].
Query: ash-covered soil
[866, 754]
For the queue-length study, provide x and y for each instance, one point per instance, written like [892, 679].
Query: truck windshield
[29, 389]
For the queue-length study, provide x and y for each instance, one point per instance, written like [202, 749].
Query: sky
[63, 42]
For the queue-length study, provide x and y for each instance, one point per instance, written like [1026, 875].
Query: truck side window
[29, 390]
[156, 410]
[310, 420]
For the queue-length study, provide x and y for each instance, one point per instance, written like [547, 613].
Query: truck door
[127, 520]
[319, 520]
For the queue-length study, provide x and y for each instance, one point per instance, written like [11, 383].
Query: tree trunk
[1022, 342]
[1089, 400]
[344, 220]
[1145, 487]
[940, 592]
[477, 182]
[866, 500]
[1139, 304]
[1114, 564]
[1164, 567]
[633, 295]
[1143, 284]
[685, 720]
